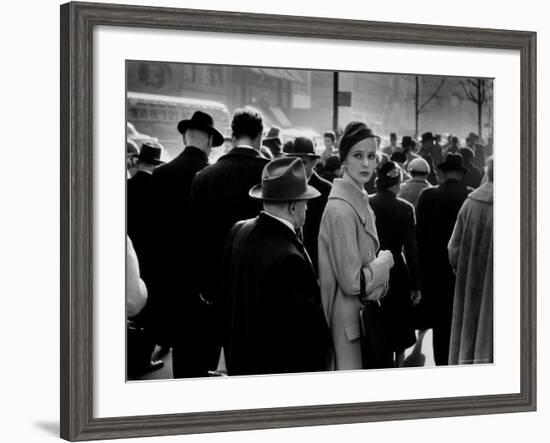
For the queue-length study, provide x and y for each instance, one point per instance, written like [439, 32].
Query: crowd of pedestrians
[268, 258]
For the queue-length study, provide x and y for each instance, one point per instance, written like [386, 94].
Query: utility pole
[335, 102]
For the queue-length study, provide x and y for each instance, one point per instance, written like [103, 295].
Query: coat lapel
[345, 191]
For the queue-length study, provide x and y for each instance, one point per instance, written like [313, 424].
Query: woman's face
[361, 160]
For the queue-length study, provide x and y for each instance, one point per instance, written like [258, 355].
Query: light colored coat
[348, 243]
[471, 255]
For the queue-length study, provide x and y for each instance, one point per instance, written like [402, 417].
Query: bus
[158, 116]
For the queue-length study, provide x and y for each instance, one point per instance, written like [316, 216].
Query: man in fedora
[141, 232]
[304, 150]
[274, 319]
[472, 141]
[431, 154]
[273, 141]
[176, 298]
[219, 198]
[436, 214]
[139, 207]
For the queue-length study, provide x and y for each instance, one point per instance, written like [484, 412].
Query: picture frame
[78, 21]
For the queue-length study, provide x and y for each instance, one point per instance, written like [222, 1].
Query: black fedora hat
[203, 122]
[427, 136]
[150, 153]
[453, 162]
[284, 179]
[302, 147]
[407, 141]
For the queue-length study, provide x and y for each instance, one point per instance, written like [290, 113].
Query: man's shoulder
[322, 185]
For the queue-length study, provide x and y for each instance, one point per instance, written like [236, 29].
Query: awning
[285, 74]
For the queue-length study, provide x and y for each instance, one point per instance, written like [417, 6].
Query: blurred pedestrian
[219, 198]
[473, 142]
[454, 146]
[392, 147]
[178, 304]
[273, 142]
[132, 152]
[411, 189]
[436, 214]
[428, 154]
[349, 261]
[473, 176]
[395, 224]
[471, 256]
[304, 150]
[329, 141]
[275, 322]
[408, 147]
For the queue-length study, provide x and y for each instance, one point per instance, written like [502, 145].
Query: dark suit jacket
[174, 285]
[315, 208]
[219, 198]
[140, 222]
[274, 319]
[436, 214]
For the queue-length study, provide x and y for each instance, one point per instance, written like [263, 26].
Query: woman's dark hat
[150, 153]
[453, 162]
[398, 157]
[302, 147]
[354, 133]
[203, 122]
[284, 179]
[389, 174]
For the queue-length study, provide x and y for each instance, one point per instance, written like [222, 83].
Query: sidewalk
[421, 354]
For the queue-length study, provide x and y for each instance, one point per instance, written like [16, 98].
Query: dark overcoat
[140, 222]
[395, 224]
[274, 319]
[175, 291]
[436, 215]
[315, 208]
[219, 198]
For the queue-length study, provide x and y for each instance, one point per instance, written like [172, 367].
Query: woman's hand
[386, 256]
[377, 293]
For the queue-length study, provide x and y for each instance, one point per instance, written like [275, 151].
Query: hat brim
[151, 161]
[218, 139]
[445, 167]
[301, 154]
[256, 193]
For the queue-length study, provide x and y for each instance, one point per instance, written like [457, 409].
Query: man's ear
[292, 207]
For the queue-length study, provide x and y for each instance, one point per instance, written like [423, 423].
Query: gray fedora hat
[284, 179]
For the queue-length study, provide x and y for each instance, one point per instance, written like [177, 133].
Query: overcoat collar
[343, 190]
[278, 226]
[195, 152]
[241, 151]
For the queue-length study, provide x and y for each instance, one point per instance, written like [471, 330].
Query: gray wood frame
[77, 24]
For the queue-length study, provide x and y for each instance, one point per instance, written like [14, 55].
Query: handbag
[376, 349]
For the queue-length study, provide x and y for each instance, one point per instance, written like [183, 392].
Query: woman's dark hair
[247, 122]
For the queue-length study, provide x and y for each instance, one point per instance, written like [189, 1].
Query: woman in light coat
[348, 245]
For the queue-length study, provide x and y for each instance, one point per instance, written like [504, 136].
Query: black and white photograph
[284, 220]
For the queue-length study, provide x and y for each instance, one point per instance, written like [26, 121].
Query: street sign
[344, 98]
